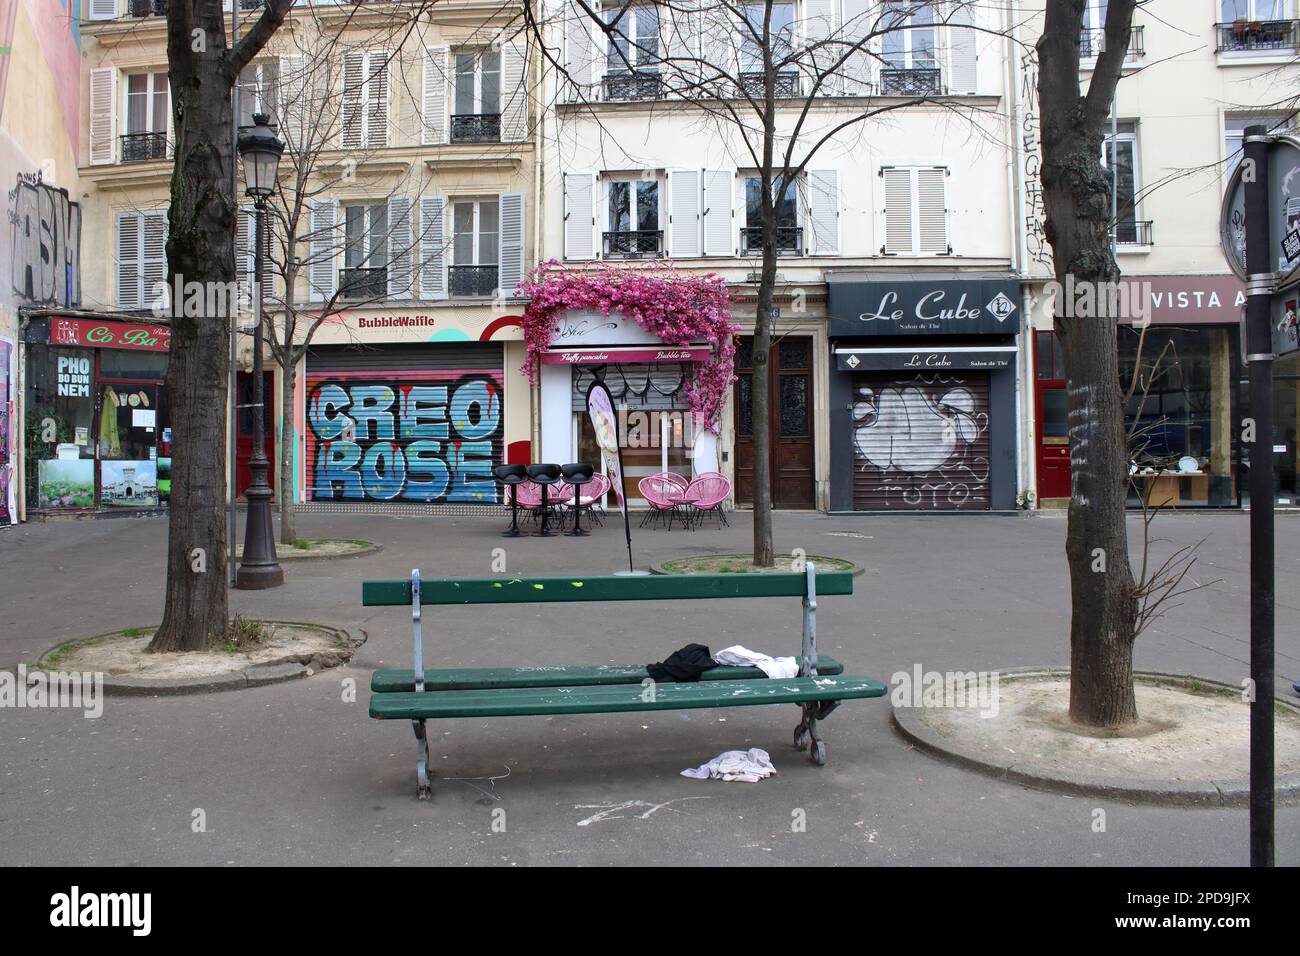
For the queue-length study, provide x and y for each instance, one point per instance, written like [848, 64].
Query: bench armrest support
[808, 654]
[415, 627]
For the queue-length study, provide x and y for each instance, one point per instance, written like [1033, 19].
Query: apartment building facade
[1197, 74]
[896, 349]
[408, 219]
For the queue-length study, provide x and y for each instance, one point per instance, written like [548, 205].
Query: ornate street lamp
[260, 149]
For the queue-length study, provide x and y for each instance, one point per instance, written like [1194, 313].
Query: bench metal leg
[807, 730]
[424, 789]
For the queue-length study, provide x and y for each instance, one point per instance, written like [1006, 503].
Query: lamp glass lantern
[260, 149]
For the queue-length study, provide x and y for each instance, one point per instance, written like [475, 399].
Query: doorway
[790, 421]
[244, 433]
[1052, 418]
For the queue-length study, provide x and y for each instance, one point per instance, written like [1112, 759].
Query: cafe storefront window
[97, 429]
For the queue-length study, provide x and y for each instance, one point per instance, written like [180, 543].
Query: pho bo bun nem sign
[415, 436]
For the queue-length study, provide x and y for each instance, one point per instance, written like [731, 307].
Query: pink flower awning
[607, 356]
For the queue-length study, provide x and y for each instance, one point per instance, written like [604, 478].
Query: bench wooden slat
[655, 587]
[618, 698]
[469, 678]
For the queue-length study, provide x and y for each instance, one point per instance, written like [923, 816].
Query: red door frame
[1051, 459]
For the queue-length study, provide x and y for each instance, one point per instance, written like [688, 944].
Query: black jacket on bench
[686, 664]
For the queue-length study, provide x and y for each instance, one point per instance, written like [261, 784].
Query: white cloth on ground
[749, 766]
[778, 668]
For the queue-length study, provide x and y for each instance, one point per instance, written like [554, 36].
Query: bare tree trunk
[288, 442]
[1077, 197]
[201, 248]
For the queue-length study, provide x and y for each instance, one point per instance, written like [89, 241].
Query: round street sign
[1284, 211]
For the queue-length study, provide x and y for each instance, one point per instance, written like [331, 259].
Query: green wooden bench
[421, 694]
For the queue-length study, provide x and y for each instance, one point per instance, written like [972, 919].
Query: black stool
[577, 475]
[544, 476]
[511, 476]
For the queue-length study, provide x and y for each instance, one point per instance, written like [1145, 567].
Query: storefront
[923, 391]
[647, 380]
[1181, 369]
[97, 432]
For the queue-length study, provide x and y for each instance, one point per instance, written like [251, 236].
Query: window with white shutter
[363, 123]
[916, 214]
[581, 55]
[102, 9]
[716, 215]
[511, 218]
[822, 203]
[963, 76]
[103, 116]
[684, 213]
[400, 285]
[321, 274]
[580, 216]
[292, 104]
[433, 247]
[433, 109]
[142, 260]
[514, 93]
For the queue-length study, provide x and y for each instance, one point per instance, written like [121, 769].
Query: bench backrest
[606, 587]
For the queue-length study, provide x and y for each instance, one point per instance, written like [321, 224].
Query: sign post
[1260, 232]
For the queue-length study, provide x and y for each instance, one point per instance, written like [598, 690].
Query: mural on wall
[46, 260]
[427, 437]
[921, 442]
[8, 428]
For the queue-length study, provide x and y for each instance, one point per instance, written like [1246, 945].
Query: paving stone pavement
[294, 774]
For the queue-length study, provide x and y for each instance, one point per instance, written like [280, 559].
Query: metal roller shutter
[404, 424]
[921, 441]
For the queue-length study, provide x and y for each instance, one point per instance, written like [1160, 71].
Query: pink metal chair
[707, 494]
[665, 493]
[529, 495]
[594, 492]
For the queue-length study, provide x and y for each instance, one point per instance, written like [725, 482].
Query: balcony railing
[1135, 232]
[786, 84]
[1248, 35]
[925, 81]
[789, 240]
[472, 280]
[251, 4]
[634, 244]
[632, 86]
[143, 147]
[1093, 41]
[147, 8]
[363, 283]
[476, 128]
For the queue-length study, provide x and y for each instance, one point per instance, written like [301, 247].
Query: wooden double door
[790, 421]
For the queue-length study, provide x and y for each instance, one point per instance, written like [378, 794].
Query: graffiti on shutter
[921, 441]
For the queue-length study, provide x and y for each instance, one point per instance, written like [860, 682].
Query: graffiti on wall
[428, 437]
[1035, 211]
[46, 243]
[921, 442]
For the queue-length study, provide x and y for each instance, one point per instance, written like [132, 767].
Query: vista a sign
[110, 335]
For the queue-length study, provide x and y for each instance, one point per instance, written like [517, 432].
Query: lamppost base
[259, 577]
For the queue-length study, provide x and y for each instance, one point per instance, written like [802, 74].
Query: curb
[288, 554]
[1206, 793]
[258, 675]
[658, 568]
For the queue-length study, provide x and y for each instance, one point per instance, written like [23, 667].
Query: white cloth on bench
[749, 766]
[778, 668]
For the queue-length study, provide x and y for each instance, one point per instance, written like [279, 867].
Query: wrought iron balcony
[634, 244]
[147, 8]
[143, 147]
[1134, 232]
[1093, 41]
[472, 280]
[786, 84]
[363, 283]
[1249, 35]
[789, 240]
[476, 128]
[251, 4]
[632, 86]
[925, 81]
